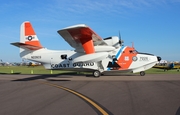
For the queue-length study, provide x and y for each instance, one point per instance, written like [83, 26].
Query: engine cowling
[112, 41]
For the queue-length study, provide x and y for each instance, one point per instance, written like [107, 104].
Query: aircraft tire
[96, 73]
[142, 73]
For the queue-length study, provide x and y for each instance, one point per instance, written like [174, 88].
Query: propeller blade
[119, 35]
[120, 40]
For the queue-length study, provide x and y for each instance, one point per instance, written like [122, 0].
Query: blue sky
[153, 25]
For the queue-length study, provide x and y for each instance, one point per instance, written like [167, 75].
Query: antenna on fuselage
[132, 44]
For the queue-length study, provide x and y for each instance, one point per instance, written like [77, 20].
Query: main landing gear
[96, 73]
[142, 73]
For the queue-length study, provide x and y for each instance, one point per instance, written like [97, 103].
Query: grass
[161, 71]
[26, 70]
[42, 70]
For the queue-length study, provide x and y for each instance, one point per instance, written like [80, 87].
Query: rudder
[28, 40]
[28, 35]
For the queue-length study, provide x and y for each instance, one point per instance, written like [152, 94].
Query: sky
[152, 25]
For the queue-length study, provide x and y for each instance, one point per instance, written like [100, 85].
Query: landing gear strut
[142, 73]
[96, 73]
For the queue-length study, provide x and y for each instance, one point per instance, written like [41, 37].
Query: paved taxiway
[80, 95]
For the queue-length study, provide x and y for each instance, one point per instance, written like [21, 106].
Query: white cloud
[108, 6]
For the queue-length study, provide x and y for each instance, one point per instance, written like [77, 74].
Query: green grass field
[42, 70]
[161, 71]
[26, 70]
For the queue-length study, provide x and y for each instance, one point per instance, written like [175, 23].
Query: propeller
[120, 40]
[159, 58]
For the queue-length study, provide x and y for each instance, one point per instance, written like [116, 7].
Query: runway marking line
[79, 95]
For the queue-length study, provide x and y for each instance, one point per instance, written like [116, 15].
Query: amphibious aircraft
[92, 53]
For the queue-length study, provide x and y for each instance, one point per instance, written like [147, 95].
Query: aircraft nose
[158, 58]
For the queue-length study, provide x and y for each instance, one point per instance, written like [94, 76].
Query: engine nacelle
[112, 41]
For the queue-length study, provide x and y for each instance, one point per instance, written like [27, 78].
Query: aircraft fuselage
[122, 58]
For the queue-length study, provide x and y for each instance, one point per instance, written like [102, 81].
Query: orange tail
[28, 38]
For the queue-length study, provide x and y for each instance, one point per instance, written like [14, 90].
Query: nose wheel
[96, 73]
[142, 73]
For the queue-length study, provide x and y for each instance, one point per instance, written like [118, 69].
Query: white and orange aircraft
[92, 53]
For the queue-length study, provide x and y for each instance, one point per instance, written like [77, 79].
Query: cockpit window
[133, 51]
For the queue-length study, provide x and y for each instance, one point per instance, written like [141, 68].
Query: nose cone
[158, 58]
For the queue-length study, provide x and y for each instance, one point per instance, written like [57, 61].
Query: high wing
[82, 37]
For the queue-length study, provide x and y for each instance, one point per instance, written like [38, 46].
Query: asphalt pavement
[153, 94]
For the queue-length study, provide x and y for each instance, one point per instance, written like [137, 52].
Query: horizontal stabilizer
[26, 46]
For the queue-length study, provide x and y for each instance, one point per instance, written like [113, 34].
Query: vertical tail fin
[28, 35]
[28, 40]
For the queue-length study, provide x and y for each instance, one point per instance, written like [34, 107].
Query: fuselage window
[64, 56]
